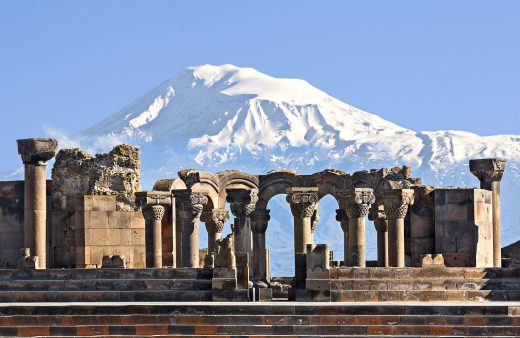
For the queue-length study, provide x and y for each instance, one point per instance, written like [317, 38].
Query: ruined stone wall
[117, 173]
[463, 226]
[422, 233]
[11, 222]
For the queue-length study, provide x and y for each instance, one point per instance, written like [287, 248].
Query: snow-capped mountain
[225, 117]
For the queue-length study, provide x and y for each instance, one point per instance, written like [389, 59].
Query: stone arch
[274, 183]
[234, 179]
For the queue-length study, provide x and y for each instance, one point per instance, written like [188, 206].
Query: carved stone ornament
[242, 202]
[488, 169]
[190, 203]
[358, 201]
[396, 202]
[224, 253]
[259, 221]
[303, 201]
[215, 219]
[37, 151]
[148, 198]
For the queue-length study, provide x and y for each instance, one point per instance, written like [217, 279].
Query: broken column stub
[35, 152]
[489, 172]
[224, 282]
[153, 205]
[77, 173]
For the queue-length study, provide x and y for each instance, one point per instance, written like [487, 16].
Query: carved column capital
[357, 201]
[37, 151]
[342, 218]
[396, 202]
[153, 203]
[190, 203]
[303, 201]
[215, 219]
[259, 221]
[242, 201]
[488, 169]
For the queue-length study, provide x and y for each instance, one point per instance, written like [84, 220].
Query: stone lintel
[149, 198]
[37, 151]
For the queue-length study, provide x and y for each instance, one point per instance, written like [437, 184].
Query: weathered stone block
[138, 236]
[137, 220]
[114, 261]
[120, 219]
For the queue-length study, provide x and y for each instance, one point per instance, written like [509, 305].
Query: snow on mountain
[225, 117]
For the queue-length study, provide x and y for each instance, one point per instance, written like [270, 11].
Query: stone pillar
[214, 221]
[35, 153]
[303, 202]
[489, 171]
[153, 204]
[314, 223]
[242, 204]
[189, 206]
[358, 201]
[396, 202]
[342, 218]
[259, 220]
[377, 215]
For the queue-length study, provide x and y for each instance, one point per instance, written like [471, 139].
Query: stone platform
[391, 319]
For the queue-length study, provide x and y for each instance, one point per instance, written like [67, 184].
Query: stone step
[423, 295]
[80, 274]
[264, 309]
[314, 330]
[414, 273]
[426, 284]
[104, 284]
[105, 296]
[237, 319]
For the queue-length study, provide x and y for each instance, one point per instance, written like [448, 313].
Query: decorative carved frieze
[153, 203]
[488, 169]
[37, 151]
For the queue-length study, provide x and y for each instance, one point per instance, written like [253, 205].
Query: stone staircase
[423, 284]
[265, 319]
[105, 285]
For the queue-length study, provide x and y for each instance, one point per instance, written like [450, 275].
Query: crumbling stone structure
[97, 216]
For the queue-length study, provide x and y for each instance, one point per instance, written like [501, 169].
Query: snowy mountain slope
[225, 117]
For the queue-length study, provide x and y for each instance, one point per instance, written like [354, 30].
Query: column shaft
[157, 243]
[178, 244]
[494, 186]
[190, 242]
[382, 248]
[259, 261]
[346, 250]
[396, 242]
[356, 241]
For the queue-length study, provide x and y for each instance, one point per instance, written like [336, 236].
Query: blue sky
[425, 65]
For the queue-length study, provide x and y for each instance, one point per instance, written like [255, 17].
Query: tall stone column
[242, 203]
[303, 202]
[489, 172]
[259, 220]
[342, 218]
[35, 153]
[358, 201]
[396, 202]
[314, 223]
[189, 205]
[153, 204]
[214, 221]
[377, 215]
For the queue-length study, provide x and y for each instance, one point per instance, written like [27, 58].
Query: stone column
[314, 223]
[242, 204]
[303, 202]
[377, 215]
[342, 218]
[489, 171]
[396, 202]
[259, 220]
[153, 204]
[214, 221]
[35, 153]
[189, 206]
[357, 201]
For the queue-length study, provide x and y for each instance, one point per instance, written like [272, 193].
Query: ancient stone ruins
[90, 234]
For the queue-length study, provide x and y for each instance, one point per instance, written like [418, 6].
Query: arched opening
[328, 231]
[280, 237]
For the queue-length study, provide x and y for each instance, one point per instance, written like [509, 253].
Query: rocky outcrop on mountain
[77, 173]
